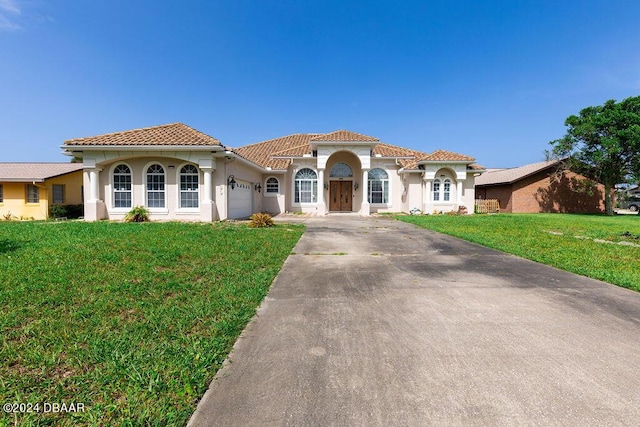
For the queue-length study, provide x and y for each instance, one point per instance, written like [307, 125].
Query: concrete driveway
[376, 322]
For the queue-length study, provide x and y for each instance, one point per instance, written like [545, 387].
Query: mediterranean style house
[179, 173]
[28, 190]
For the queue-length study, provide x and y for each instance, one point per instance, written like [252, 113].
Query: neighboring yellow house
[27, 190]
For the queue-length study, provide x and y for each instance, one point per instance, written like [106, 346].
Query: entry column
[321, 209]
[94, 208]
[365, 209]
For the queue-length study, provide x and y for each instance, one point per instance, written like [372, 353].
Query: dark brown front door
[340, 198]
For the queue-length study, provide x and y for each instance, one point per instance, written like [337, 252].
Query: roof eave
[321, 143]
[455, 162]
[24, 179]
[80, 148]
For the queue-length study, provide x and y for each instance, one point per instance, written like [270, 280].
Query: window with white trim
[122, 187]
[306, 186]
[33, 194]
[447, 190]
[436, 190]
[58, 193]
[378, 186]
[155, 186]
[272, 185]
[189, 195]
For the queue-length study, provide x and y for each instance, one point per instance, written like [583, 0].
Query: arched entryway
[340, 188]
[342, 182]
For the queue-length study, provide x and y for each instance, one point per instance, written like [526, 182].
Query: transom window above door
[341, 170]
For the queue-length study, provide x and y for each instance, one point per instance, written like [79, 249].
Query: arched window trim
[161, 183]
[443, 190]
[305, 189]
[270, 187]
[186, 191]
[119, 191]
[341, 170]
[379, 194]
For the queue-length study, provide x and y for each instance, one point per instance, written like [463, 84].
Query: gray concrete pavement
[376, 322]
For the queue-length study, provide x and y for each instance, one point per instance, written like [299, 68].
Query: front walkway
[375, 322]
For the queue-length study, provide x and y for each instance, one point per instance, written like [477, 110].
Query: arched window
[447, 190]
[436, 190]
[122, 187]
[306, 186]
[272, 186]
[189, 187]
[340, 170]
[155, 186]
[378, 186]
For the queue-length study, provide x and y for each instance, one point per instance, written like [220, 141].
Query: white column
[207, 211]
[459, 193]
[321, 205]
[206, 197]
[427, 196]
[94, 179]
[94, 208]
[365, 210]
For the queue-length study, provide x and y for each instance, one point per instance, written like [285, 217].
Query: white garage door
[240, 200]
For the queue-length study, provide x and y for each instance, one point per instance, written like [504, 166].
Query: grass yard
[584, 244]
[131, 320]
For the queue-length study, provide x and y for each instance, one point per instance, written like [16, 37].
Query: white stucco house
[179, 173]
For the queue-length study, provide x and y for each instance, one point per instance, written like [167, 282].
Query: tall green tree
[603, 142]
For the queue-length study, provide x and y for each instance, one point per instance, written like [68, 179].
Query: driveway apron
[373, 321]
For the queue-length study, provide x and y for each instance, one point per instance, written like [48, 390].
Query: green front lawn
[583, 244]
[131, 320]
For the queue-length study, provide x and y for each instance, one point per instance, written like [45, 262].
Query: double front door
[340, 197]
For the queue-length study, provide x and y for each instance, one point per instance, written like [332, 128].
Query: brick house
[540, 187]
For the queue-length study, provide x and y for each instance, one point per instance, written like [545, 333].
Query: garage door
[240, 200]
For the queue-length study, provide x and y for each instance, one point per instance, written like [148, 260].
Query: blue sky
[490, 79]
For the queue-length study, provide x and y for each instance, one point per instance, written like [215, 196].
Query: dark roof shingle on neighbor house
[511, 175]
[35, 172]
[163, 135]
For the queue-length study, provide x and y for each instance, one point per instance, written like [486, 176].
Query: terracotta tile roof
[508, 176]
[298, 151]
[446, 156]
[476, 167]
[269, 153]
[388, 150]
[171, 134]
[261, 152]
[344, 135]
[35, 172]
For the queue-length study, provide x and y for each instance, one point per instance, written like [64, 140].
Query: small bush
[66, 211]
[57, 211]
[8, 216]
[260, 220]
[137, 214]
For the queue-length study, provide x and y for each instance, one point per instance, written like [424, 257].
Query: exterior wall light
[231, 182]
[326, 185]
[356, 186]
[258, 187]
